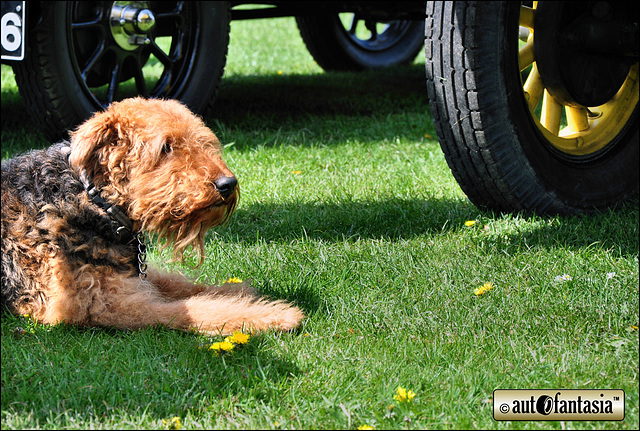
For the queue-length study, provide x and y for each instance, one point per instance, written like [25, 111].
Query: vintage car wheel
[347, 42]
[546, 125]
[81, 56]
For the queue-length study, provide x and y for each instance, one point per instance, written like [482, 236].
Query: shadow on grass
[615, 230]
[272, 99]
[155, 371]
[19, 132]
[391, 218]
[358, 102]
[330, 107]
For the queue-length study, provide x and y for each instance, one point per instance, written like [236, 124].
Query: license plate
[13, 30]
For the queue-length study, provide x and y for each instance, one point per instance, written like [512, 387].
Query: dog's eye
[166, 148]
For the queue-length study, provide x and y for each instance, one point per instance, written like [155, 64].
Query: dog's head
[162, 164]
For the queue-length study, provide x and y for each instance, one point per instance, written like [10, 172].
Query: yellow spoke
[527, 16]
[577, 120]
[525, 55]
[551, 113]
[533, 88]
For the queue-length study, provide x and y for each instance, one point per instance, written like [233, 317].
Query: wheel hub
[130, 22]
[584, 53]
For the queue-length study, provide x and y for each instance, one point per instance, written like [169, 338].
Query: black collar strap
[122, 223]
[124, 226]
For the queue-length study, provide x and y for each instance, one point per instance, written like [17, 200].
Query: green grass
[349, 210]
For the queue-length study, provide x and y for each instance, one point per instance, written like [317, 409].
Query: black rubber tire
[495, 151]
[59, 98]
[334, 49]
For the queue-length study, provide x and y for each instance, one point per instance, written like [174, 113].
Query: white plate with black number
[13, 13]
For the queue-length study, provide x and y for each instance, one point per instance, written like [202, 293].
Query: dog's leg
[92, 297]
[174, 285]
[227, 314]
[177, 286]
[131, 303]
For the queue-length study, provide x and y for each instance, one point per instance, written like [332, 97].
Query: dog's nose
[226, 186]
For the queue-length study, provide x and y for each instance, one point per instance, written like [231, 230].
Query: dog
[73, 217]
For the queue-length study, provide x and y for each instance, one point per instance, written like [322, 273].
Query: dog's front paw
[289, 319]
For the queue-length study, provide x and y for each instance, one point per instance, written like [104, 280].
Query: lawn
[349, 210]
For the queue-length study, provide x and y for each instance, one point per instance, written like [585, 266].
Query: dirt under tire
[506, 156]
[74, 65]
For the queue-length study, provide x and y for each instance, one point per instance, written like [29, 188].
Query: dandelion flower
[237, 338]
[483, 289]
[469, 223]
[234, 280]
[172, 424]
[563, 278]
[366, 427]
[221, 346]
[296, 172]
[402, 395]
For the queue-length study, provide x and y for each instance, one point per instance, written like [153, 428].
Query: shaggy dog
[73, 216]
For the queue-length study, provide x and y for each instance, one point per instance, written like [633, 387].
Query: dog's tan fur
[158, 162]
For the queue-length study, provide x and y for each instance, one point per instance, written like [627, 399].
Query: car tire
[336, 48]
[502, 134]
[75, 64]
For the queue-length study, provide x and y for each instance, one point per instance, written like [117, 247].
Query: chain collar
[142, 256]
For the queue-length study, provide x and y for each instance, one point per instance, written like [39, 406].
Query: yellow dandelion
[366, 427]
[237, 338]
[483, 289]
[469, 223]
[234, 280]
[279, 72]
[402, 395]
[172, 424]
[221, 346]
[296, 172]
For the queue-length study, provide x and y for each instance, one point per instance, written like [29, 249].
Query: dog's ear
[95, 133]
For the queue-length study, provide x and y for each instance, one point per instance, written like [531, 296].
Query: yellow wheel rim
[580, 130]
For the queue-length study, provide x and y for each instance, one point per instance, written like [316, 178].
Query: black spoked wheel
[82, 56]
[536, 104]
[349, 42]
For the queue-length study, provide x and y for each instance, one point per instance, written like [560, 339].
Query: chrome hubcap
[130, 22]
